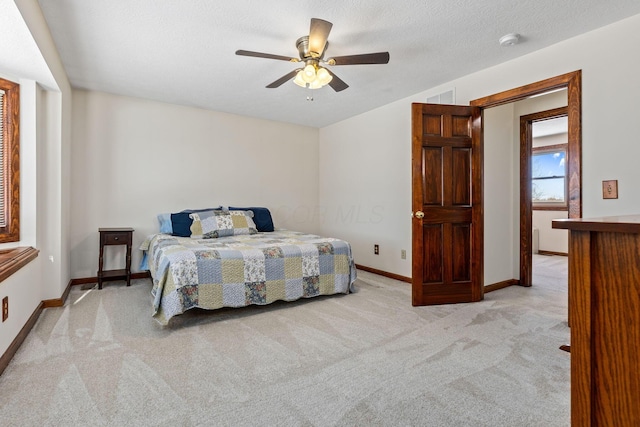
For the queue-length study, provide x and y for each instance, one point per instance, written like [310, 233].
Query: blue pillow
[261, 216]
[165, 223]
[179, 224]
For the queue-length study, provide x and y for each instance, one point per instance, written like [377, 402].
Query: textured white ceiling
[19, 53]
[183, 52]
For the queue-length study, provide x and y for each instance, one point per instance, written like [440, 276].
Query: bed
[229, 263]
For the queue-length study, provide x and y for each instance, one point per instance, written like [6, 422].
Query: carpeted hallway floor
[366, 359]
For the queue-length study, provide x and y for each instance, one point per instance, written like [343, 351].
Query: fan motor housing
[303, 49]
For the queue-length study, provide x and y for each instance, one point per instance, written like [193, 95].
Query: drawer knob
[116, 238]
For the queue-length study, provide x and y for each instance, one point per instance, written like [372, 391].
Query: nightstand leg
[100, 264]
[128, 266]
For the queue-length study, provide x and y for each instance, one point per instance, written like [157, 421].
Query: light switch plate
[610, 189]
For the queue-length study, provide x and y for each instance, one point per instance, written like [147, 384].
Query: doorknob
[419, 214]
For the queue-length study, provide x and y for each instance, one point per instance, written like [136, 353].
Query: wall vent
[448, 97]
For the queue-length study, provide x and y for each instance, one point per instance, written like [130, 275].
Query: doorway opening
[449, 221]
[572, 82]
[544, 187]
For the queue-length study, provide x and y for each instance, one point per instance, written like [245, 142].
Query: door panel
[432, 270]
[461, 252]
[432, 125]
[460, 126]
[447, 200]
[432, 178]
[461, 175]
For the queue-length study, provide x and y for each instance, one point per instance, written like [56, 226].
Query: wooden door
[447, 204]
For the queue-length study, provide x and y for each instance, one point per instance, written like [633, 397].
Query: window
[9, 161]
[548, 180]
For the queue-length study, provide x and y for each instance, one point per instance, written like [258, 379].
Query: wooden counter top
[608, 224]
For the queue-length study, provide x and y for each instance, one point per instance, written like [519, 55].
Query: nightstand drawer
[116, 238]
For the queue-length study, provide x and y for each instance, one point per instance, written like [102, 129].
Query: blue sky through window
[548, 173]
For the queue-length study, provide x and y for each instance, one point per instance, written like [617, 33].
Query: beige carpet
[366, 359]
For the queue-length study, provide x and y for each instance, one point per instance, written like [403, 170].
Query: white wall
[550, 239]
[365, 185]
[28, 55]
[555, 139]
[24, 288]
[383, 138]
[53, 129]
[133, 159]
[501, 185]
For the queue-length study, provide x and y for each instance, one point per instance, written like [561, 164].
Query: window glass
[549, 177]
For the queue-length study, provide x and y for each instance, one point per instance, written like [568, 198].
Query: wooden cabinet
[604, 309]
[115, 236]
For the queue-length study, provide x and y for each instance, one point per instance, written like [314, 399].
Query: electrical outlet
[376, 249]
[5, 308]
[403, 254]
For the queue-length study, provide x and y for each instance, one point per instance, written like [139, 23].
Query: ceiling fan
[311, 50]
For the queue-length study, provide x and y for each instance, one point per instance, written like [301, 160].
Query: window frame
[552, 206]
[10, 115]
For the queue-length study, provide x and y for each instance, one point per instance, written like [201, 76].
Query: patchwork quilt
[237, 271]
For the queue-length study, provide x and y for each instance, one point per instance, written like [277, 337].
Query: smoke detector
[509, 39]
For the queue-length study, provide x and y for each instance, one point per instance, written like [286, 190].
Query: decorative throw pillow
[217, 223]
[261, 216]
[179, 223]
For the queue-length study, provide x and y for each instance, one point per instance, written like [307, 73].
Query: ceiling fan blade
[318, 35]
[367, 58]
[283, 79]
[336, 83]
[266, 55]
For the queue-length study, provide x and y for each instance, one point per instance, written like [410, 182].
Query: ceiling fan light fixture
[312, 76]
[311, 50]
[309, 73]
[323, 76]
[315, 84]
[299, 80]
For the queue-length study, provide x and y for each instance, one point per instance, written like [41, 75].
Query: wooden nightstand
[115, 236]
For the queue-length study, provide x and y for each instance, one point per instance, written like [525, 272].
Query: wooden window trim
[557, 208]
[12, 260]
[553, 147]
[11, 147]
